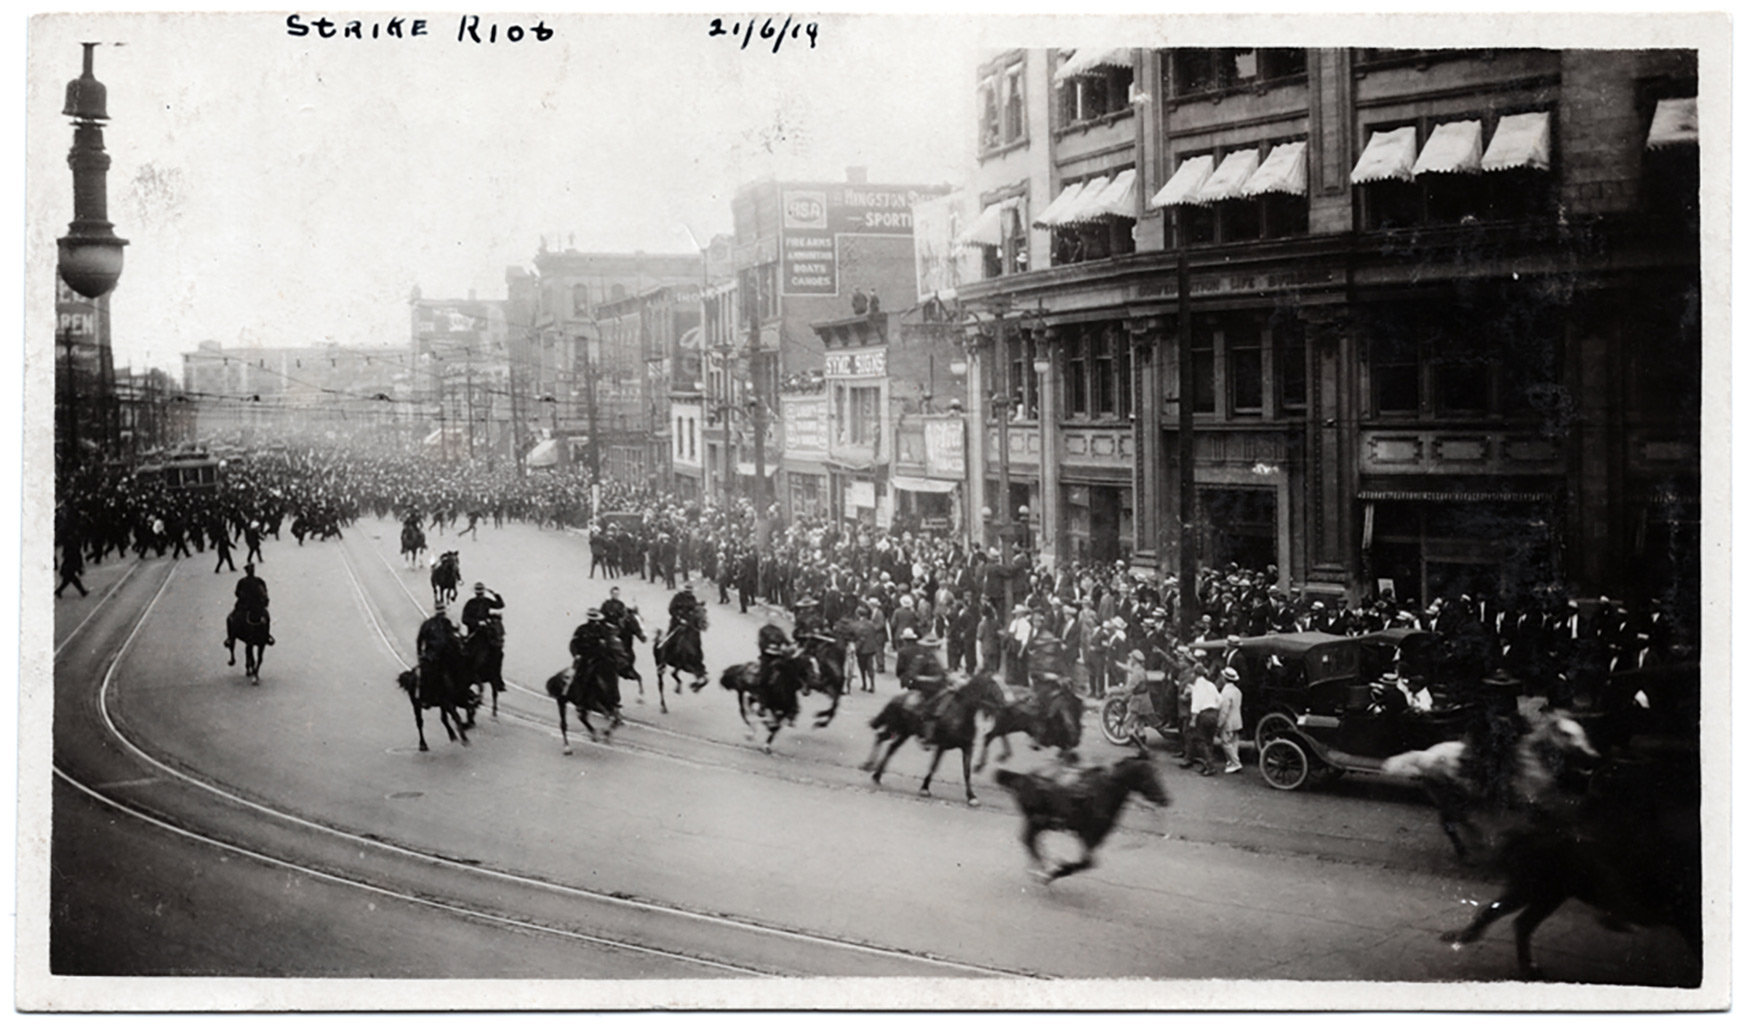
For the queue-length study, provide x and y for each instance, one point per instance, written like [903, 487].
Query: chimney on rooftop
[856, 175]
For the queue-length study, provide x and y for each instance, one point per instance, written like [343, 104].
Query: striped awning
[1389, 156]
[1093, 59]
[1454, 148]
[986, 229]
[1115, 201]
[1228, 181]
[1283, 172]
[1063, 202]
[1185, 183]
[1675, 123]
[1072, 214]
[1520, 141]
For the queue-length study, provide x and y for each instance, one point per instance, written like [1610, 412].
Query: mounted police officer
[251, 598]
[476, 614]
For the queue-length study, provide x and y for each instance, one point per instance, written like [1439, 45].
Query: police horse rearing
[446, 578]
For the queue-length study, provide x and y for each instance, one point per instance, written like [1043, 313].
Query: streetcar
[186, 470]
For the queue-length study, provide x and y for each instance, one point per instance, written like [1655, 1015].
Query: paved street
[678, 850]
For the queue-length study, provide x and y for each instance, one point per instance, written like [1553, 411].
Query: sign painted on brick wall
[815, 215]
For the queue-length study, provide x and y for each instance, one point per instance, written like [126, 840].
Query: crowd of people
[879, 590]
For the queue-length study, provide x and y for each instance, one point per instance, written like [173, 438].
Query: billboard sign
[804, 428]
[813, 217]
[944, 447]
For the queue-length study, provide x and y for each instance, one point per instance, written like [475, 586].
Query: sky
[281, 190]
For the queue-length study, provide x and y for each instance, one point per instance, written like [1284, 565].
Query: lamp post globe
[90, 255]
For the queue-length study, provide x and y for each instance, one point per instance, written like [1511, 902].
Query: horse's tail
[1440, 761]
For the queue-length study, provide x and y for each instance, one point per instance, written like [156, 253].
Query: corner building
[1442, 310]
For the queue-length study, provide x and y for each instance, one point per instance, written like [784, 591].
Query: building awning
[1522, 141]
[1283, 172]
[1227, 182]
[1116, 199]
[922, 485]
[1093, 59]
[1453, 148]
[1675, 123]
[1073, 216]
[748, 469]
[1389, 156]
[544, 454]
[1185, 183]
[1063, 202]
[987, 228]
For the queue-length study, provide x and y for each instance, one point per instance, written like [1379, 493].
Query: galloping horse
[412, 543]
[953, 728]
[484, 651]
[1632, 849]
[1471, 780]
[828, 655]
[1087, 806]
[1055, 722]
[251, 627]
[440, 680]
[446, 578]
[679, 648]
[778, 700]
[590, 683]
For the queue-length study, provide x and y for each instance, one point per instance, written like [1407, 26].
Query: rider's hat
[479, 588]
[595, 615]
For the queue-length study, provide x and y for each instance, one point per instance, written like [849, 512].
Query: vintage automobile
[1291, 674]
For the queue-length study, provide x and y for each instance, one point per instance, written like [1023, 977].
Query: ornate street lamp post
[90, 253]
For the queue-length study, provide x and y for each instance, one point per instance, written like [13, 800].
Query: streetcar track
[618, 899]
[111, 592]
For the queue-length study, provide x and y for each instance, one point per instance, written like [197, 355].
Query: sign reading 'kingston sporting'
[814, 216]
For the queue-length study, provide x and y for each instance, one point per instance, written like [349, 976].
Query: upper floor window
[1001, 105]
[1457, 169]
[1238, 194]
[1462, 361]
[1201, 71]
[1093, 83]
[1092, 219]
[1669, 110]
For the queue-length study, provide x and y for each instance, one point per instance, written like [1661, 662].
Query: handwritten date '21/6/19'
[746, 30]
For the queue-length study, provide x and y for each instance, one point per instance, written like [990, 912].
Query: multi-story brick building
[1441, 311]
[261, 394]
[801, 254]
[648, 352]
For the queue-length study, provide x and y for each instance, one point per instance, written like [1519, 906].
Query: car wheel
[1273, 725]
[1284, 763]
[1114, 720]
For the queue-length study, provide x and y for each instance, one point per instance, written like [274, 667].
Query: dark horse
[440, 680]
[776, 702]
[1504, 767]
[828, 655]
[1053, 721]
[484, 652]
[1087, 806]
[251, 626]
[590, 683]
[953, 727]
[446, 578]
[412, 542]
[679, 648]
[1631, 849]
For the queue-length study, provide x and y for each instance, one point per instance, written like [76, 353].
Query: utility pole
[755, 353]
[1186, 454]
[470, 448]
